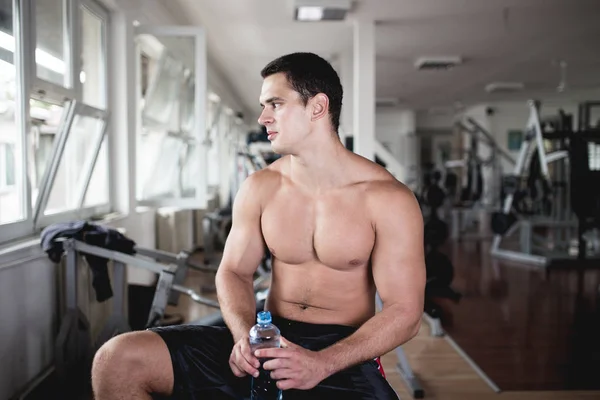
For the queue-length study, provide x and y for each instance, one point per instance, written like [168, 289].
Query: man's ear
[319, 106]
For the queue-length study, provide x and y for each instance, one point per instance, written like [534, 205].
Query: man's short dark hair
[309, 75]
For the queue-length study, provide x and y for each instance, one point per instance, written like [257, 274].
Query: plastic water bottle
[264, 335]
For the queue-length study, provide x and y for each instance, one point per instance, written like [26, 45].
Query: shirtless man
[340, 229]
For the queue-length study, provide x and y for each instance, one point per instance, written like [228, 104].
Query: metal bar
[71, 275]
[435, 325]
[159, 303]
[525, 236]
[200, 76]
[491, 141]
[535, 120]
[180, 274]
[140, 263]
[520, 257]
[556, 155]
[119, 283]
[156, 254]
[92, 164]
[170, 258]
[73, 39]
[473, 365]
[52, 169]
[23, 31]
[195, 296]
[116, 256]
[24, 393]
[407, 374]
[86, 110]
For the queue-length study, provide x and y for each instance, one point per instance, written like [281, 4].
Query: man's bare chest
[334, 231]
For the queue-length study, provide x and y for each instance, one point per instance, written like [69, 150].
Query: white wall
[29, 318]
[435, 120]
[395, 130]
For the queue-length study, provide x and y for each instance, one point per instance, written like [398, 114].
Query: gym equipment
[537, 196]
[471, 201]
[74, 347]
[474, 163]
[440, 271]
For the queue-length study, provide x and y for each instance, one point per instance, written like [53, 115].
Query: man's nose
[265, 118]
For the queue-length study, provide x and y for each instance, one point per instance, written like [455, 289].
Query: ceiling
[499, 40]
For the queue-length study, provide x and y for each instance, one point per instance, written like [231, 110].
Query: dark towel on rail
[94, 235]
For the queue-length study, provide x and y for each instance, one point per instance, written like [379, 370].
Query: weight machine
[74, 346]
[540, 195]
[468, 205]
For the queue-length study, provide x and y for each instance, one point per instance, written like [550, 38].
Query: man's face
[284, 115]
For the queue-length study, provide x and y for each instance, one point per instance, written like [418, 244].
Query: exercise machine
[439, 267]
[74, 347]
[550, 192]
[469, 205]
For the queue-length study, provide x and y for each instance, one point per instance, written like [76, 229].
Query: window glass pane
[45, 119]
[9, 165]
[190, 170]
[74, 164]
[11, 176]
[97, 192]
[51, 49]
[161, 100]
[166, 166]
[158, 165]
[93, 72]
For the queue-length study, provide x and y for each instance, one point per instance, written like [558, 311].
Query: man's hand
[294, 367]
[242, 361]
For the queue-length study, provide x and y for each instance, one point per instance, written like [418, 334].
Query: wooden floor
[531, 335]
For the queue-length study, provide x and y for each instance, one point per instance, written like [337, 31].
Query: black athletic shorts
[200, 356]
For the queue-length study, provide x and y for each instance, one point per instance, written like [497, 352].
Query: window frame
[30, 86]
[199, 135]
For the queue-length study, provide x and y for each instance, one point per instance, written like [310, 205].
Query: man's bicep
[398, 256]
[244, 248]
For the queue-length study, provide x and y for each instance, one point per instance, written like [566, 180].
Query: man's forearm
[382, 333]
[237, 302]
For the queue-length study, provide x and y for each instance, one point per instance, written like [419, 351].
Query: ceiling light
[321, 10]
[496, 87]
[309, 13]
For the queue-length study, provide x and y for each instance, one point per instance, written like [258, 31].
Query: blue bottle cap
[264, 317]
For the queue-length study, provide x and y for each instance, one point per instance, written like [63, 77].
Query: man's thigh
[360, 382]
[200, 360]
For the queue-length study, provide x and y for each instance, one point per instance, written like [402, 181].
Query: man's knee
[140, 357]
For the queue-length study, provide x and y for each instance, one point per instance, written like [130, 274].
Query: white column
[364, 87]
[347, 78]
[122, 121]
[410, 149]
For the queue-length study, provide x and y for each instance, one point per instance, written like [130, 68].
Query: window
[52, 49]
[53, 114]
[594, 156]
[84, 138]
[11, 177]
[93, 74]
[98, 190]
[45, 121]
[7, 163]
[170, 148]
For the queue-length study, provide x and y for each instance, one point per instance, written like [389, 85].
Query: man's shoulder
[265, 178]
[384, 191]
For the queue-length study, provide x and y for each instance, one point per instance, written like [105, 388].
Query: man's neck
[317, 167]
